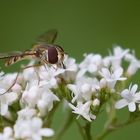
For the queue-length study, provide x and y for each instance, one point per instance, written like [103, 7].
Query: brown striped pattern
[26, 55]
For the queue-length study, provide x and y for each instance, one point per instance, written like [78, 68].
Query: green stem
[128, 122]
[85, 131]
[111, 120]
[103, 134]
[81, 130]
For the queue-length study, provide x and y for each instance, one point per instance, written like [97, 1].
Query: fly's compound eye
[52, 55]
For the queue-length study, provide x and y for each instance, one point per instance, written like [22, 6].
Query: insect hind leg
[15, 80]
[11, 85]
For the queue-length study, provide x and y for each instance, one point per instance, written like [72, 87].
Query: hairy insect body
[42, 51]
[46, 54]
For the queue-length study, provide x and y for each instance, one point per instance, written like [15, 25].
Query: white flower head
[6, 100]
[48, 76]
[26, 113]
[70, 64]
[112, 77]
[70, 71]
[7, 134]
[83, 110]
[45, 103]
[134, 64]
[31, 129]
[92, 63]
[30, 74]
[7, 80]
[31, 95]
[130, 98]
[115, 59]
[83, 89]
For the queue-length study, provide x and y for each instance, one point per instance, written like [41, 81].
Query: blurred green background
[83, 25]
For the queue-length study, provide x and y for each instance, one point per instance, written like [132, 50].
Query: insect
[45, 51]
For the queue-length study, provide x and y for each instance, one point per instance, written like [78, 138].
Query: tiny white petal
[93, 117]
[122, 78]
[72, 106]
[105, 72]
[73, 88]
[46, 132]
[132, 107]
[4, 109]
[125, 93]
[12, 96]
[134, 88]
[81, 73]
[8, 132]
[121, 103]
[137, 97]
[118, 72]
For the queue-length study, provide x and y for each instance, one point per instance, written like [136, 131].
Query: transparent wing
[10, 54]
[48, 37]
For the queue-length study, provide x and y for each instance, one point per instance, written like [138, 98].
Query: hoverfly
[44, 51]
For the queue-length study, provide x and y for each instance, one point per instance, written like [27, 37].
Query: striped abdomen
[25, 55]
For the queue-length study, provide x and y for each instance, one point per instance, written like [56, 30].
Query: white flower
[92, 63]
[134, 64]
[7, 134]
[6, 81]
[30, 73]
[70, 64]
[45, 103]
[70, 70]
[118, 52]
[31, 95]
[83, 89]
[31, 129]
[6, 100]
[39, 96]
[16, 88]
[130, 98]
[115, 59]
[48, 76]
[26, 113]
[112, 77]
[83, 110]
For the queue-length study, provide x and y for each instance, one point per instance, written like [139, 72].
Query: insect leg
[17, 77]
[64, 67]
[12, 84]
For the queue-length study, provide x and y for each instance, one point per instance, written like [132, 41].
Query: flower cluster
[86, 87]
